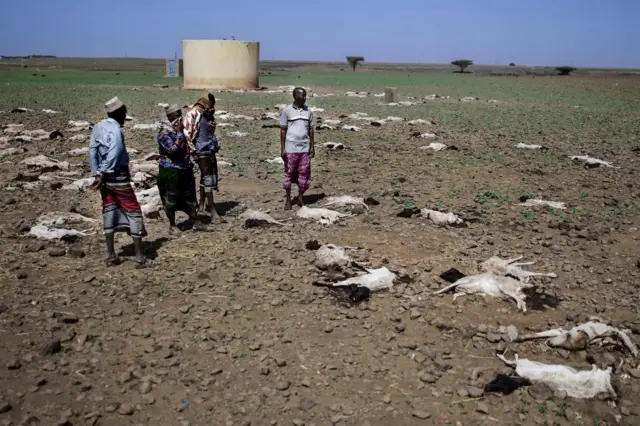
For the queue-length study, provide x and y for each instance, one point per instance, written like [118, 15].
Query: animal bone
[491, 285]
[577, 384]
[535, 202]
[331, 256]
[333, 146]
[320, 215]
[343, 201]
[434, 146]
[579, 337]
[374, 280]
[499, 266]
[259, 217]
[590, 162]
[440, 218]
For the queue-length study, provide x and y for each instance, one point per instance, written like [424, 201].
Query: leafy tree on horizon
[354, 61]
[462, 63]
[565, 70]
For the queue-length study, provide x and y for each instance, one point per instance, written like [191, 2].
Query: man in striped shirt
[297, 145]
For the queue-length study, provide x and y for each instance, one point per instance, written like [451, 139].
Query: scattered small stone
[148, 399]
[306, 404]
[420, 414]
[14, 364]
[328, 329]
[255, 346]
[69, 318]
[493, 337]
[386, 398]
[57, 252]
[336, 419]
[185, 309]
[265, 371]
[5, 407]
[415, 314]
[482, 408]
[49, 366]
[50, 348]
[76, 252]
[475, 392]
[540, 391]
[126, 409]
[111, 408]
[89, 278]
[283, 385]
[145, 387]
[281, 362]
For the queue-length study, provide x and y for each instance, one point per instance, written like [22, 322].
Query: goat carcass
[47, 226]
[275, 160]
[320, 215]
[499, 266]
[255, 218]
[344, 201]
[531, 146]
[579, 337]
[333, 146]
[491, 285]
[46, 163]
[577, 384]
[374, 280]
[590, 162]
[536, 202]
[434, 146]
[440, 218]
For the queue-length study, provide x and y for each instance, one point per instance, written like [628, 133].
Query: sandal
[112, 261]
[146, 263]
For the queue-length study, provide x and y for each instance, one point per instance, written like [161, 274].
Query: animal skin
[490, 285]
[499, 266]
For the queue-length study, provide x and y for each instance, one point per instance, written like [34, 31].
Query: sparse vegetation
[462, 63]
[354, 61]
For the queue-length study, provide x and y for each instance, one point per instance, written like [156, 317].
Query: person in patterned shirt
[176, 181]
[199, 129]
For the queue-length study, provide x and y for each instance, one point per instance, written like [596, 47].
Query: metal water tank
[221, 64]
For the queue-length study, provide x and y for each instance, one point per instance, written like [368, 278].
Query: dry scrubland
[228, 328]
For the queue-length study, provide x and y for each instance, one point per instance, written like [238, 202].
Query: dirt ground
[228, 328]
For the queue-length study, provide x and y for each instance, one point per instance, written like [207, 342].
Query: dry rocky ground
[228, 328]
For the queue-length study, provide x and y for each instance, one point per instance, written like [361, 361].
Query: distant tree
[354, 61]
[512, 64]
[462, 63]
[565, 70]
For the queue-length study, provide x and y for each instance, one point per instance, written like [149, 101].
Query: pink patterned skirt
[297, 169]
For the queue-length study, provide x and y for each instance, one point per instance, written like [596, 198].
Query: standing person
[109, 161]
[199, 128]
[176, 182]
[297, 145]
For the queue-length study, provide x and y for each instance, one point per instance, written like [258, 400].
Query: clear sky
[599, 33]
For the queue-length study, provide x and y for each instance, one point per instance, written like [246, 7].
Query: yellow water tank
[221, 64]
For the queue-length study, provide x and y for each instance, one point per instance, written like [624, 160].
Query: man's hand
[97, 182]
[312, 151]
[283, 155]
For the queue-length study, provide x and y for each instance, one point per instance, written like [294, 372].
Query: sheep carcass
[577, 384]
[499, 266]
[46, 163]
[344, 201]
[491, 285]
[79, 185]
[275, 160]
[254, 218]
[440, 218]
[579, 337]
[47, 226]
[150, 201]
[11, 151]
[141, 126]
[531, 146]
[79, 151]
[374, 280]
[536, 202]
[434, 146]
[331, 256]
[590, 162]
[351, 128]
[418, 121]
[238, 134]
[320, 215]
[333, 146]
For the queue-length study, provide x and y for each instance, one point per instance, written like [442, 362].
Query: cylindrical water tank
[221, 64]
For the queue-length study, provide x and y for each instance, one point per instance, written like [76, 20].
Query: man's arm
[312, 142]
[168, 143]
[284, 121]
[94, 155]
